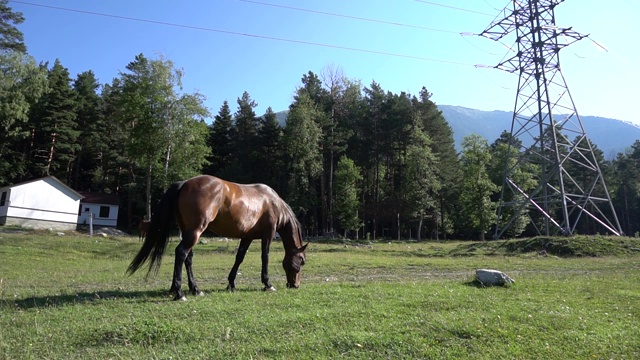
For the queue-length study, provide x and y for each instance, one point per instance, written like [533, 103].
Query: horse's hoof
[269, 288]
[230, 289]
[183, 298]
[197, 293]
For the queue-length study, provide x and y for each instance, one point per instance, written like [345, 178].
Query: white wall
[111, 220]
[43, 200]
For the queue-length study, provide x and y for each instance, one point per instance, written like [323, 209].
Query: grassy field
[67, 297]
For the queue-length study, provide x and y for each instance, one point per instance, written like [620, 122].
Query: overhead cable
[266, 37]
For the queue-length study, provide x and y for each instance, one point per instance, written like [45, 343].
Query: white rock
[493, 277]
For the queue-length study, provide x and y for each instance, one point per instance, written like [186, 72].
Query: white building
[103, 207]
[40, 204]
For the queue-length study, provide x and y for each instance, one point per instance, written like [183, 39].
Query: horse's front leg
[266, 243]
[242, 251]
[193, 287]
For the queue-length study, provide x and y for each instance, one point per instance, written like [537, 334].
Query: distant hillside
[282, 117]
[610, 135]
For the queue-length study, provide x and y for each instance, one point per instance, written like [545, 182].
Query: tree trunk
[330, 212]
[148, 191]
[323, 195]
[166, 164]
[51, 150]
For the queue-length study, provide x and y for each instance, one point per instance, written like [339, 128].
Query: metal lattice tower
[547, 135]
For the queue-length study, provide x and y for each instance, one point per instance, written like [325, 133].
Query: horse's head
[292, 264]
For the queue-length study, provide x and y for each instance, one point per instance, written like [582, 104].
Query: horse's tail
[157, 238]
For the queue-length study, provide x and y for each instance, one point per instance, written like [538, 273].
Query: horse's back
[230, 209]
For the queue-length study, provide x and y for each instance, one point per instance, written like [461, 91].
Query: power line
[349, 16]
[266, 37]
[453, 7]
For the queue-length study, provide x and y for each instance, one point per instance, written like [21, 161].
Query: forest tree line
[351, 160]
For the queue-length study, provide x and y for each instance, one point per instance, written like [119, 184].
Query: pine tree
[244, 159]
[92, 138]
[625, 188]
[370, 154]
[112, 166]
[11, 39]
[338, 100]
[55, 129]
[421, 181]
[448, 166]
[302, 137]
[220, 141]
[269, 163]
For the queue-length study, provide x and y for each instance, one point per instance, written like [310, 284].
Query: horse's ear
[303, 248]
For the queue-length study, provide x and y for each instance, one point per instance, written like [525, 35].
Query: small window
[104, 211]
[3, 198]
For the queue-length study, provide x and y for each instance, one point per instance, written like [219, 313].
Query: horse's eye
[302, 261]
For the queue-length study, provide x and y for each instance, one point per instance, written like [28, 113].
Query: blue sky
[227, 47]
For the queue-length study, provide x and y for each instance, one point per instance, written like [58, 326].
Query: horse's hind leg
[193, 287]
[183, 250]
[176, 285]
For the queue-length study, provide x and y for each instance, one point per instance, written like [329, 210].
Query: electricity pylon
[547, 135]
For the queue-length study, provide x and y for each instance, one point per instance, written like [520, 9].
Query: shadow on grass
[477, 284]
[84, 297]
[88, 297]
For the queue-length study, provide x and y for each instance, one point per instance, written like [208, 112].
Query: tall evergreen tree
[270, 165]
[625, 188]
[421, 181]
[338, 104]
[112, 164]
[448, 165]
[55, 127]
[302, 137]
[245, 134]
[11, 39]
[312, 88]
[92, 139]
[370, 139]
[220, 141]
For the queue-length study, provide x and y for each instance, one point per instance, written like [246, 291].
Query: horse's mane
[287, 216]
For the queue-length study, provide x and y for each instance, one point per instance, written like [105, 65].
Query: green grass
[67, 297]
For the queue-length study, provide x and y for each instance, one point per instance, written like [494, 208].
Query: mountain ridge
[611, 136]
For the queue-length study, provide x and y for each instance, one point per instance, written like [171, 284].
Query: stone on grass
[493, 277]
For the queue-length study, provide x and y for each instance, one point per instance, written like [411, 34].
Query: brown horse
[228, 209]
[143, 227]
